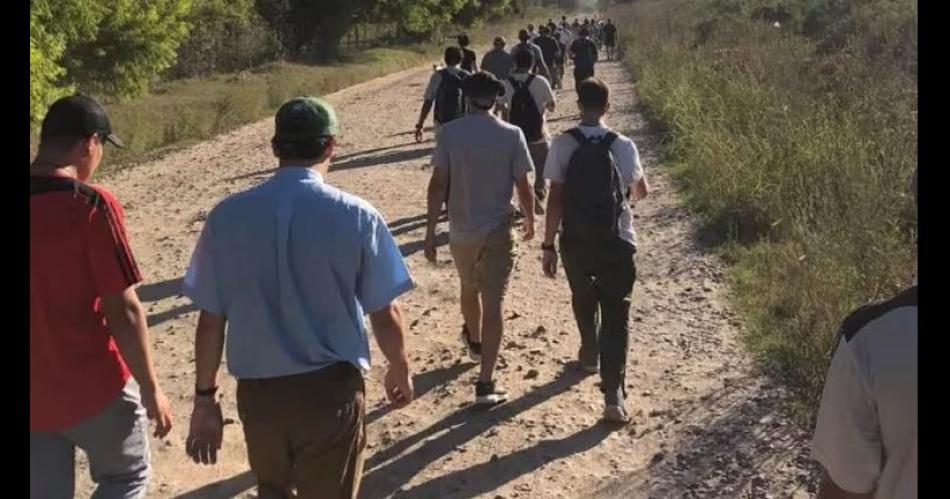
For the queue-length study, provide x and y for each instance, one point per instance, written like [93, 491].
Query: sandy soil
[705, 424]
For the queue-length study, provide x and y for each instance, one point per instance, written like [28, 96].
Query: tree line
[118, 48]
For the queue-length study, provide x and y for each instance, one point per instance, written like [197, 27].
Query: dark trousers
[539, 155]
[306, 432]
[601, 278]
[581, 74]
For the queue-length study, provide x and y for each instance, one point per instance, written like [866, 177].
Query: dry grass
[799, 162]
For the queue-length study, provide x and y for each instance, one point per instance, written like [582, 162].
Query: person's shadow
[386, 475]
[487, 476]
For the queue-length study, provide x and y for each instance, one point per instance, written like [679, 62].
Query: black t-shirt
[610, 31]
[469, 60]
[585, 54]
[549, 48]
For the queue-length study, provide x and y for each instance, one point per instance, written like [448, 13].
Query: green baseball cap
[304, 118]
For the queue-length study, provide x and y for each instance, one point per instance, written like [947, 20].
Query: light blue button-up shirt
[294, 264]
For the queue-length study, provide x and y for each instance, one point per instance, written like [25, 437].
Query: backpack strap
[609, 138]
[577, 134]
[527, 83]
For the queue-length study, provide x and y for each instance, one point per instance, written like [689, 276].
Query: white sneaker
[489, 394]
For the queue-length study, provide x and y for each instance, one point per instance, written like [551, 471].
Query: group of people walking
[585, 180]
[290, 267]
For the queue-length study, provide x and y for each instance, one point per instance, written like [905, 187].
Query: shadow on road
[388, 470]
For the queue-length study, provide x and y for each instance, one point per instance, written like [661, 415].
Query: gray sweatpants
[116, 441]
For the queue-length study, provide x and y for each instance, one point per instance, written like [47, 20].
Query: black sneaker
[474, 349]
[486, 393]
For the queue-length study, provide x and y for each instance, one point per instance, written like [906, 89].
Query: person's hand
[206, 432]
[549, 263]
[429, 247]
[159, 410]
[527, 226]
[419, 134]
[398, 383]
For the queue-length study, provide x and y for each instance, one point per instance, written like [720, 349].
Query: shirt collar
[298, 173]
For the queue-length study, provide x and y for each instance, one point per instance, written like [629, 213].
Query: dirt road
[704, 425]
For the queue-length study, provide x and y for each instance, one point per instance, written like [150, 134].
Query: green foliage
[309, 29]
[225, 36]
[116, 47]
[135, 41]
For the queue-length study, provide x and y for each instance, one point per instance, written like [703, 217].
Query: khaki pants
[486, 264]
[305, 431]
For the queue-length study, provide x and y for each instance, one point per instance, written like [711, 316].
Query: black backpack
[449, 101]
[524, 112]
[593, 195]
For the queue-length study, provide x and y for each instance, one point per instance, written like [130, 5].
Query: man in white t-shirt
[453, 68]
[866, 434]
[597, 245]
[531, 120]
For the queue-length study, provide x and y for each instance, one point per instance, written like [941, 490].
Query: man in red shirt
[88, 334]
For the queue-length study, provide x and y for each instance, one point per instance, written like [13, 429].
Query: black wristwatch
[207, 392]
[548, 247]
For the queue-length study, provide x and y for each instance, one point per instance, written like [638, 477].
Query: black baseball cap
[482, 85]
[78, 116]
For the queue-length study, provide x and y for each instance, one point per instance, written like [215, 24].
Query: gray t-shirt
[866, 433]
[483, 156]
[498, 62]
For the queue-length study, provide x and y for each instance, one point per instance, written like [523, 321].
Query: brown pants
[305, 431]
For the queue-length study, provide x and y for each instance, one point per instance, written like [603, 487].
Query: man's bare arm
[126, 320]
[555, 211]
[209, 347]
[438, 189]
[388, 330]
[525, 197]
[424, 113]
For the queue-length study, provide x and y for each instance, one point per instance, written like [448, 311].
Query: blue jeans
[116, 441]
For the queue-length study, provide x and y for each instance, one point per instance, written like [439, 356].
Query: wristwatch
[207, 392]
[548, 247]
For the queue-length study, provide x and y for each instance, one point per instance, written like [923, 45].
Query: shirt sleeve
[556, 163]
[109, 253]
[201, 283]
[521, 162]
[628, 160]
[847, 441]
[542, 93]
[383, 274]
[433, 87]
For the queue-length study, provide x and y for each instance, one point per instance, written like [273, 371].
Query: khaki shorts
[486, 264]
